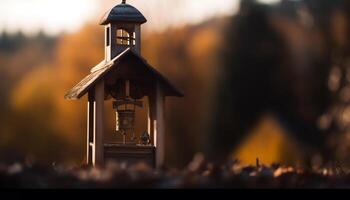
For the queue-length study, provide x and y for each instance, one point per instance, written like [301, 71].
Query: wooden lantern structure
[127, 78]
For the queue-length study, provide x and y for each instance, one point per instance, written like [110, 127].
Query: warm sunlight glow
[52, 16]
[270, 143]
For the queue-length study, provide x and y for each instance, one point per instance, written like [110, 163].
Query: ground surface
[199, 174]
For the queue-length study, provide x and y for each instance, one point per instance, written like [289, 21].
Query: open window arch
[126, 37]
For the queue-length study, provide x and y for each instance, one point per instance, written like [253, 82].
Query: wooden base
[131, 154]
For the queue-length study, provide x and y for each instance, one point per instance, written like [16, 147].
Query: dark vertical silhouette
[261, 73]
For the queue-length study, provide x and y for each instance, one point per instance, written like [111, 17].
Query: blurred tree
[289, 60]
[187, 55]
[34, 133]
[252, 53]
[19, 55]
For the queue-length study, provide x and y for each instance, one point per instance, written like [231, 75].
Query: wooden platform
[130, 153]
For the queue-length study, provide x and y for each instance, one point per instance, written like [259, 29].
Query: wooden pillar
[98, 145]
[149, 127]
[90, 127]
[114, 47]
[108, 42]
[156, 123]
[151, 118]
[160, 126]
[138, 38]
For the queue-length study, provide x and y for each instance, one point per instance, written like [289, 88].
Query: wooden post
[160, 126]
[98, 152]
[156, 123]
[108, 42]
[90, 127]
[151, 119]
[149, 128]
[138, 38]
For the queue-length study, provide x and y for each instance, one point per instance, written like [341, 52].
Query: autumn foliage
[270, 82]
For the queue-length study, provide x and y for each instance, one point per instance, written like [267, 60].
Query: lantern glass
[125, 117]
[125, 120]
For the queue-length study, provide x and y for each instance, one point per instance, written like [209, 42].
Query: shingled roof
[102, 69]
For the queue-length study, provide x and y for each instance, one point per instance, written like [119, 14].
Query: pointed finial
[124, 2]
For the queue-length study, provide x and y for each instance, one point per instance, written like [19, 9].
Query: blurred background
[264, 79]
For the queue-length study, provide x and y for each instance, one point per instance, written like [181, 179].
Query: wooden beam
[98, 152]
[151, 118]
[127, 88]
[138, 38]
[90, 127]
[149, 128]
[114, 47]
[108, 42]
[160, 126]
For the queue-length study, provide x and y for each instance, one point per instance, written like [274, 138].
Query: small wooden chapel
[125, 77]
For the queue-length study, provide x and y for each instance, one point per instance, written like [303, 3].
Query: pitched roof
[102, 69]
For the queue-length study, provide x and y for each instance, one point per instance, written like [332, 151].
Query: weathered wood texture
[98, 152]
[138, 39]
[90, 127]
[160, 126]
[130, 153]
[128, 56]
[124, 74]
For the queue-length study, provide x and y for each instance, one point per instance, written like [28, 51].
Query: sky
[56, 16]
